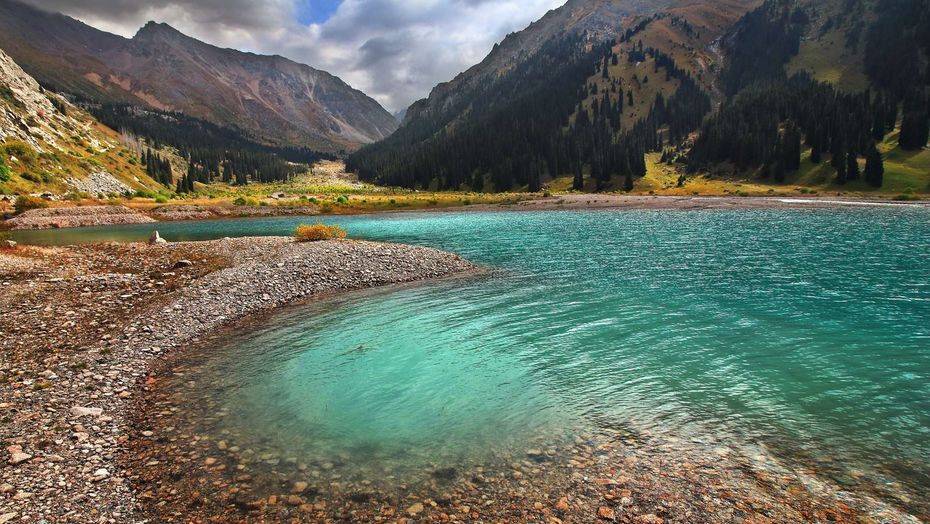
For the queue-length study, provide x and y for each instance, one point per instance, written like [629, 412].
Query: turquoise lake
[804, 331]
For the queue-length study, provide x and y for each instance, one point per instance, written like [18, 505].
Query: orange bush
[317, 232]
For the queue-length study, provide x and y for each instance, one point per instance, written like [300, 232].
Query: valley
[638, 261]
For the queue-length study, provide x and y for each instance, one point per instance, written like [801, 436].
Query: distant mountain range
[271, 99]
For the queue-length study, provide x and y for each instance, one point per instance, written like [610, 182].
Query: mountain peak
[154, 29]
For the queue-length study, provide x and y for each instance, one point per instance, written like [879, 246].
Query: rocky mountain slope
[273, 99]
[49, 145]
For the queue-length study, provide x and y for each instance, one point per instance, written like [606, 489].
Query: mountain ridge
[275, 99]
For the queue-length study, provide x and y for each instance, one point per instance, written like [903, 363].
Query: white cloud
[394, 50]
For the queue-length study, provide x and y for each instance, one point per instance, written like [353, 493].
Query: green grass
[905, 171]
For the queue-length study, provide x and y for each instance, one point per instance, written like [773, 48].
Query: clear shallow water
[806, 331]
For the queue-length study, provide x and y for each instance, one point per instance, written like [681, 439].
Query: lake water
[807, 332]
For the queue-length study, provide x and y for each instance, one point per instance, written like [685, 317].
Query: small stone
[562, 504]
[300, 487]
[19, 458]
[294, 500]
[6, 517]
[182, 264]
[80, 411]
[100, 474]
[606, 513]
[415, 509]
[9, 244]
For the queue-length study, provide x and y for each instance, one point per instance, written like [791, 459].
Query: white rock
[80, 411]
[101, 474]
[157, 239]
[19, 458]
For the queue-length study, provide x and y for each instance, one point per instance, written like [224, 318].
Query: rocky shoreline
[92, 336]
[81, 327]
[80, 216]
[59, 217]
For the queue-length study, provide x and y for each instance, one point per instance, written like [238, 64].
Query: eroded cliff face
[49, 145]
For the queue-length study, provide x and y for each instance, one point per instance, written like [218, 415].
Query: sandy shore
[80, 328]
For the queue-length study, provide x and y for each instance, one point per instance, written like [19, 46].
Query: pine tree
[874, 167]
[815, 154]
[839, 163]
[852, 167]
[578, 179]
[791, 148]
[915, 126]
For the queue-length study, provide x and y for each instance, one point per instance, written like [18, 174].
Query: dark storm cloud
[394, 50]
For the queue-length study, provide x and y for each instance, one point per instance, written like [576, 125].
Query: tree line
[762, 123]
[212, 152]
[532, 123]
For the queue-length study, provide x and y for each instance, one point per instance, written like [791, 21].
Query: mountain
[271, 99]
[534, 84]
[733, 87]
[49, 145]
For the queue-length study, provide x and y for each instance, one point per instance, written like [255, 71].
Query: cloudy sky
[394, 50]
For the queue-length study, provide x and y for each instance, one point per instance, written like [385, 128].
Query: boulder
[156, 238]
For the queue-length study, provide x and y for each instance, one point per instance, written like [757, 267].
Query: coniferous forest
[213, 153]
[530, 123]
[761, 125]
[540, 127]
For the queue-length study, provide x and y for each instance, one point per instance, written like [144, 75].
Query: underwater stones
[415, 509]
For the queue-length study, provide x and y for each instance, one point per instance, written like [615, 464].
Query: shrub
[161, 199]
[4, 171]
[43, 177]
[317, 232]
[343, 199]
[906, 197]
[25, 203]
[21, 150]
[243, 201]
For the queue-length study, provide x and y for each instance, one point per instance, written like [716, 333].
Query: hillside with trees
[789, 91]
[588, 102]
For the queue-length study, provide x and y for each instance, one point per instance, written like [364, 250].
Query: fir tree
[874, 167]
[852, 167]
